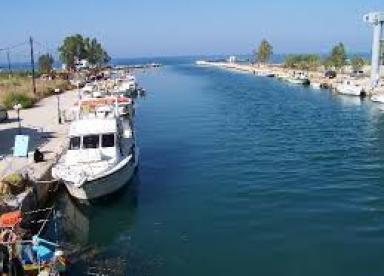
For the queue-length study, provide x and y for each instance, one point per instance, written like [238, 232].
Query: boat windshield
[91, 141]
[74, 143]
[108, 140]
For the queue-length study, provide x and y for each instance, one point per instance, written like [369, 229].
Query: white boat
[125, 86]
[201, 62]
[264, 74]
[106, 105]
[93, 93]
[98, 94]
[349, 87]
[101, 157]
[88, 88]
[282, 76]
[298, 77]
[128, 83]
[378, 98]
[316, 85]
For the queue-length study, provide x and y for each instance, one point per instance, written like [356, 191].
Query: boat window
[108, 140]
[91, 141]
[74, 143]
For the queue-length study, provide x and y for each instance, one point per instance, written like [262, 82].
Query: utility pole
[33, 66]
[9, 65]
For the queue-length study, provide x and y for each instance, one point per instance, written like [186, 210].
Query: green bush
[13, 178]
[12, 98]
[64, 86]
[16, 183]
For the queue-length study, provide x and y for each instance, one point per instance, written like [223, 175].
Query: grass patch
[10, 99]
[18, 89]
[15, 182]
[13, 179]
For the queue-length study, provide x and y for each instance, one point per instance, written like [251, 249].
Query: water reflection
[99, 223]
[94, 233]
[350, 100]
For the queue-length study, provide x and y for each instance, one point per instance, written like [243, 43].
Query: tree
[96, 55]
[71, 50]
[45, 63]
[357, 63]
[77, 47]
[302, 62]
[337, 57]
[264, 52]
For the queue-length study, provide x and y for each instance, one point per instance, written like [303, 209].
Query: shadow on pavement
[36, 138]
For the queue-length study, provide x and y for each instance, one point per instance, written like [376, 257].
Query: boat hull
[378, 98]
[350, 90]
[316, 85]
[299, 81]
[103, 186]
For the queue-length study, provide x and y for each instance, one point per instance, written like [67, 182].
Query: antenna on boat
[116, 108]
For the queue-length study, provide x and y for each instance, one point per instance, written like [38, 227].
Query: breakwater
[316, 78]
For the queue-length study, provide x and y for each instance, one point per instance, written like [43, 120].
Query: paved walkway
[41, 124]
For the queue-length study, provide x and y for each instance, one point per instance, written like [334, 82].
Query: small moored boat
[101, 157]
[264, 74]
[298, 78]
[108, 104]
[378, 97]
[349, 87]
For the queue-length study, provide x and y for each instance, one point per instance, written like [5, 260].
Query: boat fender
[10, 219]
[38, 156]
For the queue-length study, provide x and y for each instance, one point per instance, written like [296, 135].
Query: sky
[149, 28]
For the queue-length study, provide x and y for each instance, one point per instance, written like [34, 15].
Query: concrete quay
[40, 123]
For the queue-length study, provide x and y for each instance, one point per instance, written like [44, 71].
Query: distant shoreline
[276, 58]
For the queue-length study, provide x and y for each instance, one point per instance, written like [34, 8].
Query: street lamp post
[57, 92]
[17, 107]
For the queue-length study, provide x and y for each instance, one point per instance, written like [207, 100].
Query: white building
[79, 64]
[82, 64]
[232, 59]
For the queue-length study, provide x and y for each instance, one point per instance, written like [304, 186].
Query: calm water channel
[241, 175]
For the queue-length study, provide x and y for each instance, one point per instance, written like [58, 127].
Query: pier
[40, 123]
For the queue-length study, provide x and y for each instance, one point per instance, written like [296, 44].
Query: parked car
[330, 74]
[357, 74]
[3, 113]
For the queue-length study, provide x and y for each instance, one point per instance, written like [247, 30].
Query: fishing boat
[93, 93]
[22, 254]
[264, 74]
[349, 87]
[88, 88]
[106, 105]
[101, 157]
[316, 85]
[379, 98]
[128, 83]
[298, 77]
[201, 62]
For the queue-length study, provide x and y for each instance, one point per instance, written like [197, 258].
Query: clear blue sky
[136, 28]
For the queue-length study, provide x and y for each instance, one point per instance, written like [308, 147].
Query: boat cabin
[299, 75]
[93, 140]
